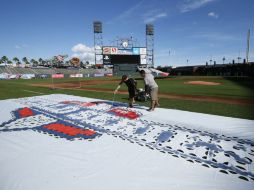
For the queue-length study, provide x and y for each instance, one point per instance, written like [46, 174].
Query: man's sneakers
[150, 109]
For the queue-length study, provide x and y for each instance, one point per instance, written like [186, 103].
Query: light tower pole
[98, 42]
[248, 47]
[150, 45]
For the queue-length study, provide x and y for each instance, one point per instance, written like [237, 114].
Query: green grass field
[230, 88]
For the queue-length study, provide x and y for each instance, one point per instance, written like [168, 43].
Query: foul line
[33, 92]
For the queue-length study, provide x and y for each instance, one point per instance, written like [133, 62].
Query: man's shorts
[154, 93]
[132, 93]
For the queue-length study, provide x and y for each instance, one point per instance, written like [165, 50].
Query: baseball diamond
[126, 95]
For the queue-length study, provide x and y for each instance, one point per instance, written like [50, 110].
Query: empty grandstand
[47, 72]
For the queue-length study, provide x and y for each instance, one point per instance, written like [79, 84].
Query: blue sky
[197, 30]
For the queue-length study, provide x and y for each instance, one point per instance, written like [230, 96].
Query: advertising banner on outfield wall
[43, 76]
[76, 75]
[98, 75]
[15, 76]
[57, 76]
[4, 76]
[27, 76]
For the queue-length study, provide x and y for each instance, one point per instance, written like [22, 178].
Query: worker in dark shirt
[131, 84]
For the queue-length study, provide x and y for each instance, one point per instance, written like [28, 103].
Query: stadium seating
[18, 70]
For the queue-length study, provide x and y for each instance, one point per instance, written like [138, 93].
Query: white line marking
[33, 92]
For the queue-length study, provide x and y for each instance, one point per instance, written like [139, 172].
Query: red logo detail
[113, 50]
[25, 112]
[87, 104]
[125, 113]
[69, 130]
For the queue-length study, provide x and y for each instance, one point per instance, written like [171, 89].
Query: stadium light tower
[150, 45]
[98, 42]
[248, 46]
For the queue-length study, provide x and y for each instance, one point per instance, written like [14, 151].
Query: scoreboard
[115, 55]
[121, 59]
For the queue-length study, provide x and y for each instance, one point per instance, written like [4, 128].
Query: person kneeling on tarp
[131, 84]
[151, 87]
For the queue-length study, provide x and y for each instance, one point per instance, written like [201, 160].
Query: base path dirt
[203, 83]
[76, 86]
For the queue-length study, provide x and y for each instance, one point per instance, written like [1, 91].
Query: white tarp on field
[69, 142]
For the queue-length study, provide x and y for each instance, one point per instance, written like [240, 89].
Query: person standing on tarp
[151, 87]
[131, 84]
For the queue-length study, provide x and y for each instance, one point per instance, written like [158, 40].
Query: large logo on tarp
[30, 119]
[89, 120]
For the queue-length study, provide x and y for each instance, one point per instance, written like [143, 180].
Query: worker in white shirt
[151, 88]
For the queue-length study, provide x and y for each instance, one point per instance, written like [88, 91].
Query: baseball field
[225, 96]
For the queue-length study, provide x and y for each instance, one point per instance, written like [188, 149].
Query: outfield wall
[6, 76]
[29, 73]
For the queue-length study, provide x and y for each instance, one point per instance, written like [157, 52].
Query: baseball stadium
[120, 120]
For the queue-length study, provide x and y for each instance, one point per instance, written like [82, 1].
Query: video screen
[125, 59]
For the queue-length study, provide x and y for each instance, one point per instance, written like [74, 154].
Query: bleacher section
[49, 71]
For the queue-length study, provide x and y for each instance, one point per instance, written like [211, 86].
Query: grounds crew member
[131, 84]
[151, 87]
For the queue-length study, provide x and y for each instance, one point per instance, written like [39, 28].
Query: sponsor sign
[55, 76]
[76, 75]
[27, 76]
[114, 50]
[98, 75]
[142, 51]
[106, 50]
[109, 75]
[4, 76]
[136, 51]
[106, 59]
[125, 51]
[13, 76]
[142, 59]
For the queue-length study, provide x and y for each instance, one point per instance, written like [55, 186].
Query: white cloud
[153, 15]
[81, 48]
[143, 10]
[83, 52]
[127, 14]
[213, 15]
[20, 46]
[190, 5]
